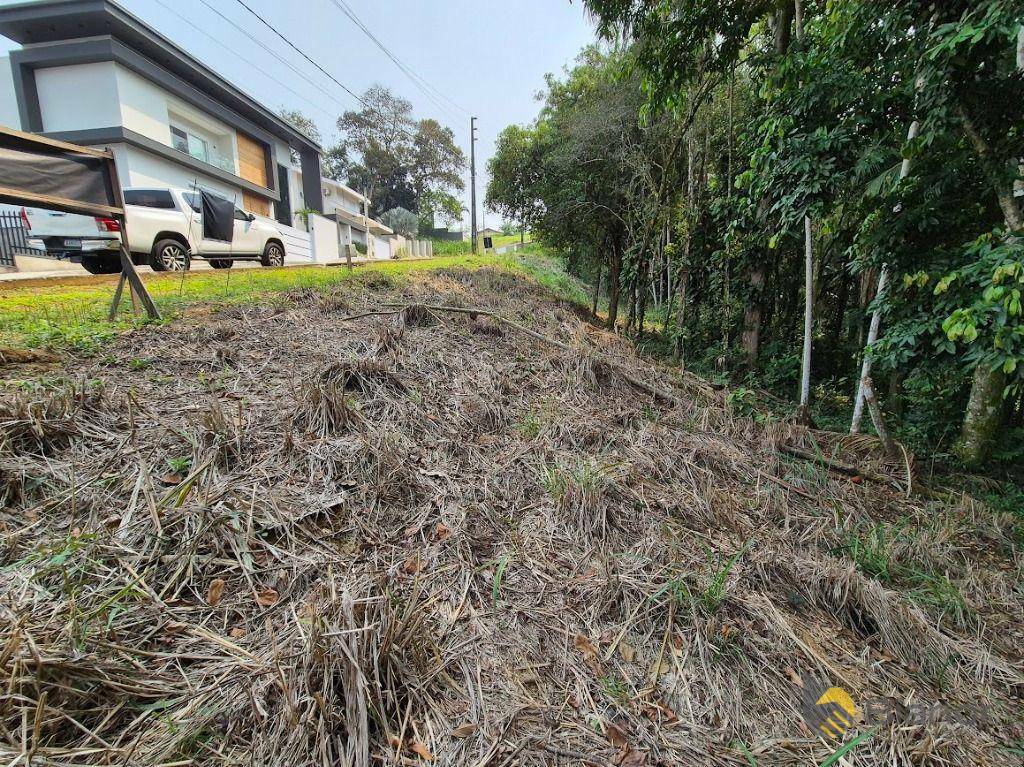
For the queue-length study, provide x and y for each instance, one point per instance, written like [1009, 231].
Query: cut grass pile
[335, 524]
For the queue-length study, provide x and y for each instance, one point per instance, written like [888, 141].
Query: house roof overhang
[53, 21]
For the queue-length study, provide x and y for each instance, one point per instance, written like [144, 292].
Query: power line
[251, 63]
[273, 53]
[331, 77]
[434, 94]
[302, 53]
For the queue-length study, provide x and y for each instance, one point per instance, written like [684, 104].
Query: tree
[302, 124]
[436, 167]
[397, 161]
[758, 118]
[402, 221]
[513, 171]
[333, 161]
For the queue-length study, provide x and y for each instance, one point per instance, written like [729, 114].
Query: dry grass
[352, 529]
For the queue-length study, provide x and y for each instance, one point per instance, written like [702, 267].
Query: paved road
[65, 270]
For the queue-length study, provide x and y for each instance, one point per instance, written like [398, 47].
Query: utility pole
[472, 178]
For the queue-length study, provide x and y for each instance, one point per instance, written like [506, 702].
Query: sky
[487, 57]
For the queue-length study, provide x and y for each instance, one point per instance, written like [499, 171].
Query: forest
[816, 202]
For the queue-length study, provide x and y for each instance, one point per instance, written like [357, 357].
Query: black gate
[14, 239]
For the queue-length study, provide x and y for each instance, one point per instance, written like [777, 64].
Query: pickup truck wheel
[97, 265]
[221, 263]
[170, 256]
[273, 255]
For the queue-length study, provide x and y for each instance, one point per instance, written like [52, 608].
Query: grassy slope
[73, 315]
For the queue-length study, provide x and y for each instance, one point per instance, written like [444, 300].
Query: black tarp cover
[218, 217]
[57, 174]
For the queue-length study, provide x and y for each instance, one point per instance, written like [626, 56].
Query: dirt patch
[349, 528]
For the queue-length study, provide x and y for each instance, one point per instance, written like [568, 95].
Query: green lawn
[509, 239]
[74, 316]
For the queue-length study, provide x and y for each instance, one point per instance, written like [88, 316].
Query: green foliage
[402, 221]
[450, 248]
[755, 123]
[397, 161]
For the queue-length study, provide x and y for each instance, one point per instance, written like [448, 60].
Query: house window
[190, 144]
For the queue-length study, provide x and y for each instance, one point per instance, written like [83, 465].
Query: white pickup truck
[165, 230]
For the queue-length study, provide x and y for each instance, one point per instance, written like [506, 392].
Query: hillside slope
[343, 527]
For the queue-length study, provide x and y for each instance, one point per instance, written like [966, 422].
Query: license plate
[72, 243]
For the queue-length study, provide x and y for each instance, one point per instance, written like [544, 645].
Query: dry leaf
[171, 479]
[267, 597]
[421, 751]
[586, 647]
[794, 677]
[215, 592]
[616, 735]
[627, 652]
[412, 565]
[464, 730]
[238, 632]
[660, 713]
[630, 757]
[442, 532]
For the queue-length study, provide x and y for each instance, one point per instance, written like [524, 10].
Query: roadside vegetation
[725, 156]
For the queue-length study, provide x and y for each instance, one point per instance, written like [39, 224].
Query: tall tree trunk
[614, 286]
[631, 297]
[1004, 192]
[684, 284]
[642, 283]
[783, 28]
[984, 416]
[752, 316]
[838, 319]
[805, 370]
[876, 317]
[783, 23]
[985, 411]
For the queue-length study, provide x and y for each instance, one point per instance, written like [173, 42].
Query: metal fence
[14, 239]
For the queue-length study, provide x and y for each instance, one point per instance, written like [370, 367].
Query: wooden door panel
[252, 160]
[255, 204]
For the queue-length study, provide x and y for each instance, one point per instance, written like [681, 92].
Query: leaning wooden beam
[130, 274]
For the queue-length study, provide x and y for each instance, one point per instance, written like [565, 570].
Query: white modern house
[90, 72]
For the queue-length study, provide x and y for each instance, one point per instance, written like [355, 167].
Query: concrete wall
[324, 233]
[298, 245]
[106, 94]
[78, 97]
[381, 248]
[8, 101]
[143, 106]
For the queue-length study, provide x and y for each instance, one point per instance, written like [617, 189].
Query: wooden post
[128, 270]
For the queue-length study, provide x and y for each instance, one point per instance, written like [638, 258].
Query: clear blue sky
[488, 56]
